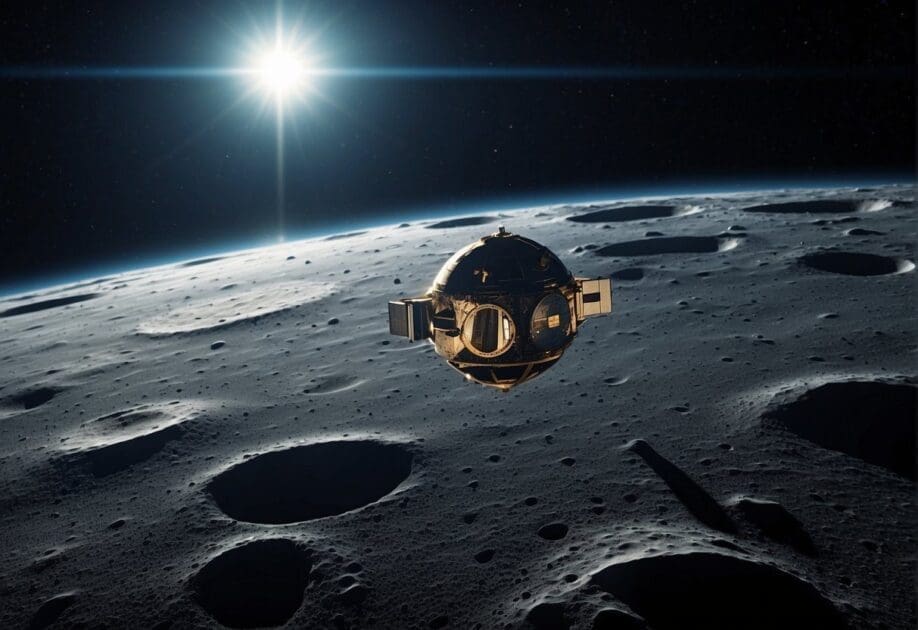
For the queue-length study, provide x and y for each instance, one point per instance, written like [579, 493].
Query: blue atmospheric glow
[450, 73]
[87, 274]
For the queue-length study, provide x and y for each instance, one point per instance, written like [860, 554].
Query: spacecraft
[502, 310]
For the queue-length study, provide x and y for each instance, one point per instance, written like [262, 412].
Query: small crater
[259, 584]
[553, 531]
[614, 619]
[870, 420]
[712, 590]
[484, 556]
[440, 621]
[117, 441]
[668, 245]
[625, 213]
[547, 616]
[34, 307]
[631, 274]
[856, 264]
[338, 237]
[51, 610]
[31, 398]
[331, 384]
[460, 222]
[310, 482]
[201, 261]
[863, 232]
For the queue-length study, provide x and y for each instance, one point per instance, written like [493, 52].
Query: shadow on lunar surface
[775, 522]
[668, 245]
[711, 590]
[818, 206]
[856, 264]
[870, 420]
[695, 499]
[626, 213]
[256, 585]
[331, 478]
[461, 222]
[44, 305]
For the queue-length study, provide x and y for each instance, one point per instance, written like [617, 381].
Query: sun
[282, 72]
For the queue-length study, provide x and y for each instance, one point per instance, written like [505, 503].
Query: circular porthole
[488, 331]
[551, 322]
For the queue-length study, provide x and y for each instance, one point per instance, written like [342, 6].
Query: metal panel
[595, 297]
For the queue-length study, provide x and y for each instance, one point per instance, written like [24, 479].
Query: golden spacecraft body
[502, 310]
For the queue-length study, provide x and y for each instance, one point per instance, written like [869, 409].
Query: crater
[257, 585]
[553, 531]
[856, 264]
[338, 237]
[32, 398]
[668, 245]
[234, 309]
[712, 590]
[814, 206]
[51, 610]
[331, 384]
[310, 482]
[870, 420]
[627, 213]
[44, 305]
[117, 441]
[632, 274]
[460, 222]
[201, 261]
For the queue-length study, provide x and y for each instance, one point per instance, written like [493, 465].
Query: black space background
[116, 171]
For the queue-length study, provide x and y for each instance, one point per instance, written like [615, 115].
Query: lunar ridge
[237, 441]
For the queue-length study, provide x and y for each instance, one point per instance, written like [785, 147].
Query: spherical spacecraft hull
[502, 310]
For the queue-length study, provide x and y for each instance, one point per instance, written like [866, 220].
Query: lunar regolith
[237, 441]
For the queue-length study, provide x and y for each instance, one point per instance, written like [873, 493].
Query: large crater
[210, 313]
[668, 245]
[43, 305]
[869, 420]
[821, 206]
[856, 264]
[712, 590]
[627, 213]
[309, 482]
[257, 585]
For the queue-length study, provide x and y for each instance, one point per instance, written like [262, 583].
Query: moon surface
[236, 441]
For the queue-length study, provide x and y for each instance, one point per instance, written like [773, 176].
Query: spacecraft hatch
[502, 310]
